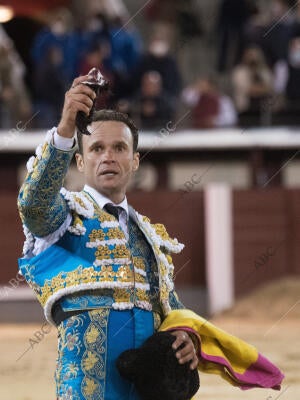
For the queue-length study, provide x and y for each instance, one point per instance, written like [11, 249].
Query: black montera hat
[156, 372]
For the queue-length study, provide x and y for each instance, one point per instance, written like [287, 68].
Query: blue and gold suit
[112, 292]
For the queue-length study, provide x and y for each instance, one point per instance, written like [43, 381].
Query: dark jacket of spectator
[153, 104]
[233, 15]
[50, 87]
[287, 74]
[159, 59]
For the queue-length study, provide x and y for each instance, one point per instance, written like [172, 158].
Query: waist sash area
[77, 303]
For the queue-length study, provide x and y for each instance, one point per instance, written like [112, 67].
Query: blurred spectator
[93, 31]
[126, 50]
[96, 56]
[126, 47]
[162, 10]
[158, 58]
[108, 22]
[15, 105]
[124, 42]
[233, 17]
[287, 75]
[50, 87]
[154, 106]
[210, 108]
[184, 15]
[252, 84]
[110, 8]
[99, 24]
[256, 26]
[280, 29]
[58, 34]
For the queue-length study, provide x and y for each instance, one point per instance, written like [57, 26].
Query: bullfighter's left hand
[187, 352]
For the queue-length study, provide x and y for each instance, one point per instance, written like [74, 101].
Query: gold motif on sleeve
[41, 207]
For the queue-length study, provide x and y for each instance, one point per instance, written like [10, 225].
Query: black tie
[113, 210]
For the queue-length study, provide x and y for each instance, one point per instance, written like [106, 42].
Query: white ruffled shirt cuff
[63, 143]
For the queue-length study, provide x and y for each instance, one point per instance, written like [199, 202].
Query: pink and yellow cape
[220, 353]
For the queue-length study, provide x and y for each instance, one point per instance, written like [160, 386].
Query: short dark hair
[113, 115]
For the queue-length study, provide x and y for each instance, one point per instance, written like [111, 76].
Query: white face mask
[58, 28]
[159, 48]
[294, 58]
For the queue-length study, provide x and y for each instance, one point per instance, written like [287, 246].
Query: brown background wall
[11, 235]
[184, 218]
[266, 227]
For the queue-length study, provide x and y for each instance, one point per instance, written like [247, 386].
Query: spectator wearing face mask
[158, 58]
[58, 33]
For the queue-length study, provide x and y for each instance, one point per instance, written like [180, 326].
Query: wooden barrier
[11, 236]
[266, 228]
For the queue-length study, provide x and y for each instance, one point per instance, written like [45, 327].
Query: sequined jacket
[72, 245]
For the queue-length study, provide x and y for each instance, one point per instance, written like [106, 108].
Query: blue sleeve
[41, 206]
